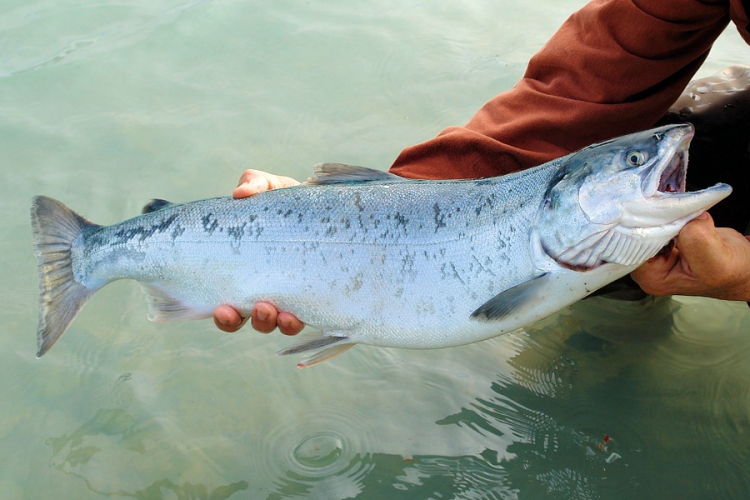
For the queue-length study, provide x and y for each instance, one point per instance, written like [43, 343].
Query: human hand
[264, 316]
[705, 261]
[256, 181]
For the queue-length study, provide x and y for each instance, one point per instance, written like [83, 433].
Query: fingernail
[261, 315]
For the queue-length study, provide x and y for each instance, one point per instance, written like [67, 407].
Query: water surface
[106, 105]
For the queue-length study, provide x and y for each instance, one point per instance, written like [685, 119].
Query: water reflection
[612, 400]
[87, 452]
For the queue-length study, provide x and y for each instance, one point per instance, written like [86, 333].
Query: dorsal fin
[154, 205]
[338, 173]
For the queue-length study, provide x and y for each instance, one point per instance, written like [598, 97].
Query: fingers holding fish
[257, 181]
[264, 318]
[228, 319]
[705, 261]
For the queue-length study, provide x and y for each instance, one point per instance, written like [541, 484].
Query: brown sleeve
[614, 67]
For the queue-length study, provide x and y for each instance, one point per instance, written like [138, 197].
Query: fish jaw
[665, 202]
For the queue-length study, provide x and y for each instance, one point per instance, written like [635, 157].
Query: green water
[105, 105]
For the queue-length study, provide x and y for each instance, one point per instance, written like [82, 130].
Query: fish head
[622, 200]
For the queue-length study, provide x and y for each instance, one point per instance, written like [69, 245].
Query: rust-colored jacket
[614, 67]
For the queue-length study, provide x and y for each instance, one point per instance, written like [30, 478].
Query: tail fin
[61, 297]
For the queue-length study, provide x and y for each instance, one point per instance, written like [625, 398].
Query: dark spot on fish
[439, 217]
[356, 282]
[177, 231]
[358, 202]
[401, 220]
[407, 261]
[236, 232]
[455, 273]
[483, 267]
[310, 245]
[209, 225]
[141, 232]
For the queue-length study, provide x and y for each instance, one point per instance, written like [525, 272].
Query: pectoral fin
[511, 300]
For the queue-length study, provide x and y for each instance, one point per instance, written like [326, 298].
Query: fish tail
[55, 228]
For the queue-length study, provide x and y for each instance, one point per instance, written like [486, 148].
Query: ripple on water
[47, 39]
[328, 455]
[317, 452]
[707, 334]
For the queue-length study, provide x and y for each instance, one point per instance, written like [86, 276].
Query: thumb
[700, 247]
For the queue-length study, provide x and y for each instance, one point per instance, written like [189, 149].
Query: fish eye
[636, 158]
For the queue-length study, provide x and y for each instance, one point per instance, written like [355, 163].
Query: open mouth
[673, 177]
[665, 185]
[668, 176]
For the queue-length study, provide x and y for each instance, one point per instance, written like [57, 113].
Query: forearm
[613, 67]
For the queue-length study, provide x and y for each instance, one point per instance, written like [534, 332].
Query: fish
[362, 256]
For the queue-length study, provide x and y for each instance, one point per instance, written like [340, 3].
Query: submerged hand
[264, 316]
[705, 261]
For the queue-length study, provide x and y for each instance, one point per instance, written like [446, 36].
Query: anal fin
[324, 355]
[322, 346]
